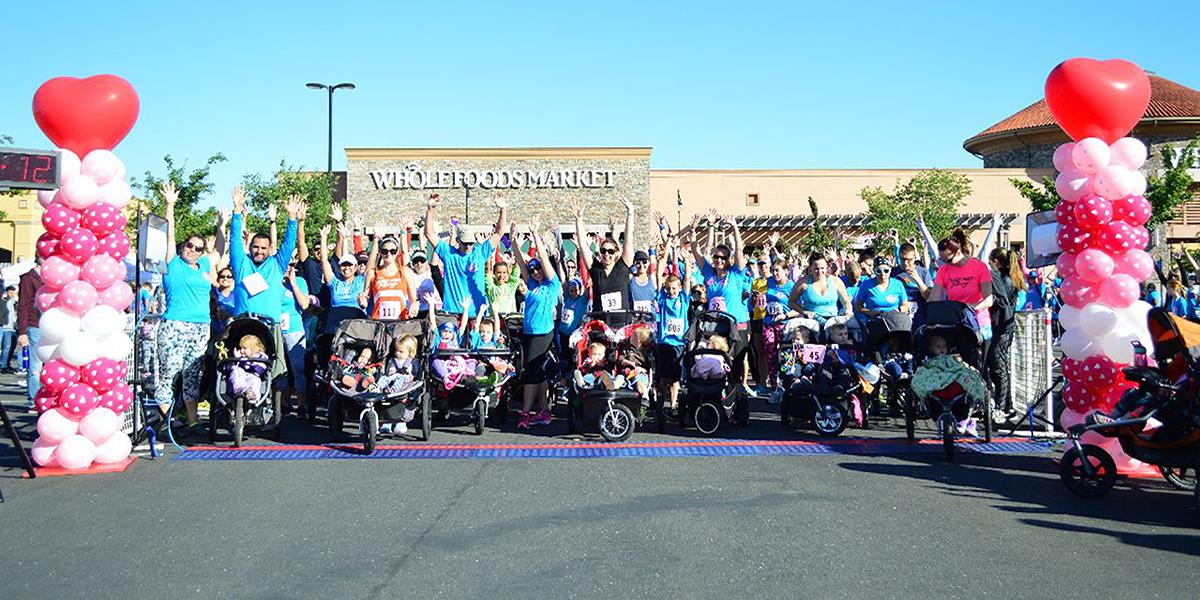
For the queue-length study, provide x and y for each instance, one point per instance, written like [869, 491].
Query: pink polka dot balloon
[1098, 372]
[77, 298]
[118, 398]
[1135, 210]
[1092, 212]
[46, 244]
[1076, 396]
[45, 299]
[103, 374]
[1066, 264]
[1118, 291]
[119, 295]
[1092, 265]
[1117, 237]
[102, 271]
[57, 375]
[103, 219]
[1136, 263]
[115, 245]
[77, 245]
[1064, 213]
[1138, 238]
[1073, 239]
[59, 218]
[45, 400]
[57, 272]
[1078, 293]
[78, 399]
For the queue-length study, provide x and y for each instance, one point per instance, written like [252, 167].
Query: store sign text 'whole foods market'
[413, 177]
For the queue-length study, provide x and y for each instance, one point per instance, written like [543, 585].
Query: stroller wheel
[830, 419]
[616, 424]
[214, 411]
[708, 417]
[1178, 477]
[498, 415]
[335, 418]
[239, 420]
[369, 421]
[785, 411]
[1091, 479]
[426, 416]
[481, 413]
[946, 426]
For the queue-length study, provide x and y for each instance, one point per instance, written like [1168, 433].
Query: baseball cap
[640, 255]
[347, 259]
[418, 256]
[465, 237]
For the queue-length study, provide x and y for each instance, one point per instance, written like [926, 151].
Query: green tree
[192, 186]
[315, 187]
[932, 194]
[1170, 189]
[818, 238]
[1040, 198]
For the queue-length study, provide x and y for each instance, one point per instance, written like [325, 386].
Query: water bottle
[1139, 354]
[25, 358]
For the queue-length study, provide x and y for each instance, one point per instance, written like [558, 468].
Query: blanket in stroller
[940, 372]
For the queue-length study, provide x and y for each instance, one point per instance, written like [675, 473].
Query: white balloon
[57, 324]
[1090, 155]
[1097, 319]
[1062, 157]
[1137, 183]
[68, 164]
[1119, 346]
[46, 352]
[1129, 153]
[1077, 344]
[102, 321]
[1068, 316]
[101, 165]
[116, 193]
[1133, 317]
[46, 197]
[80, 348]
[116, 346]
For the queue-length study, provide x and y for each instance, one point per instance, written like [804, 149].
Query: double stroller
[947, 389]
[1158, 422]
[820, 382]
[711, 402]
[351, 380]
[262, 408]
[890, 345]
[616, 409]
[468, 381]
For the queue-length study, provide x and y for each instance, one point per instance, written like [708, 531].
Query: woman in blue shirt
[295, 302]
[881, 293]
[817, 297]
[545, 289]
[183, 332]
[345, 289]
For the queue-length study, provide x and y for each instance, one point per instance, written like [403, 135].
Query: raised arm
[323, 253]
[170, 196]
[294, 207]
[272, 214]
[547, 268]
[930, 243]
[989, 238]
[581, 241]
[431, 207]
[502, 221]
[628, 247]
[237, 249]
[694, 245]
[739, 252]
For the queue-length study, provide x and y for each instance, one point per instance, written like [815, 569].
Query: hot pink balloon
[1136, 263]
[115, 245]
[99, 425]
[1138, 238]
[78, 399]
[1064, 213]
[102, 271]
[57, 272]
[1092, 265]
[55, 425]
[80, 192]
[1073, 239]
[77, 245]
[43, 452]
[75, 452]
[1118, 291]
[77, 298]
[1135, 210]
[1117, 237]
[104, 374]
[45, 400]
[118, 398]
[119, 295]
[115, 450]
[1065, 264]
[58, 374]
[1098, 372]
[1092, 212]
[1078, 293]
[58, 218]
[103, 219]
[46, 299]
[46, 244]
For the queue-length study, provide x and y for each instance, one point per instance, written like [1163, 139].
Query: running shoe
[543, 417]
[762, 391]
[523, 421]
[400, 428]
[968, 428]
[776, 396]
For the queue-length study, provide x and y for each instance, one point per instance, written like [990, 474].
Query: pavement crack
[396, 566]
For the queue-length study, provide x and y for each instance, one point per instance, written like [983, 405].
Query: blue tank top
[642, 295]
[823, 305]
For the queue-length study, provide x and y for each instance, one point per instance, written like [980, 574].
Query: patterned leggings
[180, 349]
[770, 341]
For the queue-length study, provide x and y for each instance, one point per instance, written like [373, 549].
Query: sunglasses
[345, 265]
[641, 262]
[191, 246]
[390, 251]
[418, 261]
[720, 257]
[608, 251]
[882, 270]
[224, 276]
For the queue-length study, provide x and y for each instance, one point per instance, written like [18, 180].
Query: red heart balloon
[82, 115]
[1097, 98]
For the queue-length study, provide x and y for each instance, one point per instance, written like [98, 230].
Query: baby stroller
[1167, 394]
[889, 341]
[237, 412]
[956, 323]
[710, 403]
[368, 406]
[615, 411]
[318, 368]
[467, 381]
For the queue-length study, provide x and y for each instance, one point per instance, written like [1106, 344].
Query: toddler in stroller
[709, 402]
[947, 386]
[248, 360]
[821, 384]
[244, 375]
[470, 378]
[612, 388]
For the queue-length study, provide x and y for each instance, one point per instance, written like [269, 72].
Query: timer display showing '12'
[27, 168]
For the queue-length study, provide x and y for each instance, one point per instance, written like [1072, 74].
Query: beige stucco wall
[23, 225]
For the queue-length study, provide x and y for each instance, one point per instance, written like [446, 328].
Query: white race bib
[717, 303]
[390, 309]
[643, 305]
[774, 309]
[611, 301]
[285, 320]
[254, 284]
[568, 315]
[674, 326]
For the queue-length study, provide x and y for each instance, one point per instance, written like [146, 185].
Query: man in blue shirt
[464, 267]
[259, 275]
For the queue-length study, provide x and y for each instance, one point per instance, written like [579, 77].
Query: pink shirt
[965, 284]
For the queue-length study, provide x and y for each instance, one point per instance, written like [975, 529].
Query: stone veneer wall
[632, 180]
[1042, 156]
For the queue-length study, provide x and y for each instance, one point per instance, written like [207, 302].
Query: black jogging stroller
[236, 412]
[710, 404]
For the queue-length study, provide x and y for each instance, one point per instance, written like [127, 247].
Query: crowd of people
[409, 269]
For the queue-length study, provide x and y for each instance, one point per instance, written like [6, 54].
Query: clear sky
[707, 84]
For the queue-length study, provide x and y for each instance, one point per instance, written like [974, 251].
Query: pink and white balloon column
[1102, 234]
[83, 300]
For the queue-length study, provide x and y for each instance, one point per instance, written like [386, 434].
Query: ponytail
[1009, 263]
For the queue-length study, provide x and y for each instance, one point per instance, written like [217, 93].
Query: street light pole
[331, 89]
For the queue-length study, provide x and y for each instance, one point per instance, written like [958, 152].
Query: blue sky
[708, 85]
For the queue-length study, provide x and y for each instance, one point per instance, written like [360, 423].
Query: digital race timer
[28, 169]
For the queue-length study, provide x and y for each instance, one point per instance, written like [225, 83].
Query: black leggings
[997, 366]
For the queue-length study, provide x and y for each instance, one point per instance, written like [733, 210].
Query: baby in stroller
[944, 377]
[595, 368]
[627, 369]
[245, 373]
[358, 372]
[399, 369]
[712, 367]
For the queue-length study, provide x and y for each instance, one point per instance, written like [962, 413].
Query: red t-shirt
[965, 284]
